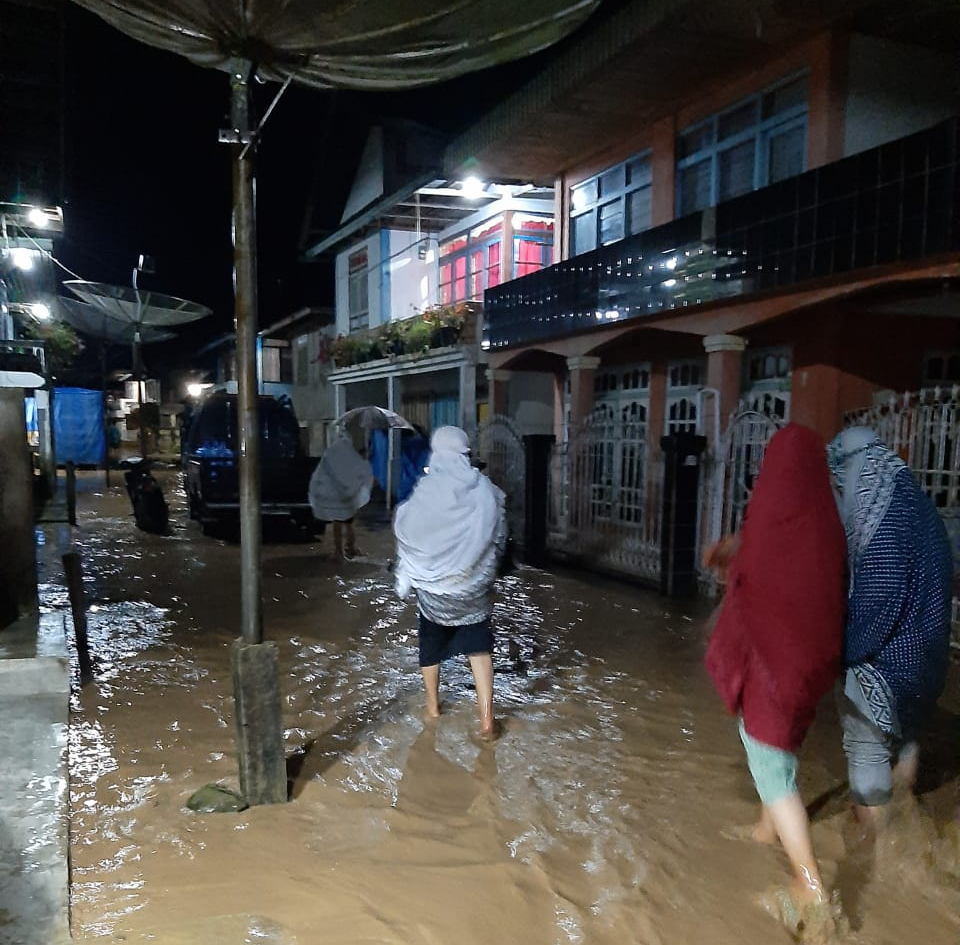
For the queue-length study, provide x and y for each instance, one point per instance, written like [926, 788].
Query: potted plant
[343, 351]
[417, 336]
[446, 323]
[391, 338]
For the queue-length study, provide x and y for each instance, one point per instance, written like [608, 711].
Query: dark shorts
[439, 642]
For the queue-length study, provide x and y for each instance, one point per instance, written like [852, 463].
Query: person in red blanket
[776, 646]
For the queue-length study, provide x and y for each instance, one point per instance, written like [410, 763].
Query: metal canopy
[137, 308]
[92, 320]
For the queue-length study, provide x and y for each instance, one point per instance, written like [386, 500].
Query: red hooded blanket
[775, 650]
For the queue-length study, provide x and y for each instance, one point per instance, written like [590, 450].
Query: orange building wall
[842, 356]
[825, 59]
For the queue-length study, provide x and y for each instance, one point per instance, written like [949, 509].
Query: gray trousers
[871, 752]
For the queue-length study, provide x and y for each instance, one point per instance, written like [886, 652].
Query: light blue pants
[774, 771]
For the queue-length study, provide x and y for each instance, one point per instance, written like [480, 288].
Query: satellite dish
[137, 307]
[91, 320]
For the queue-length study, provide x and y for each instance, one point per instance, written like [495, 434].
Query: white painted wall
[894, 90]
[412, 280]
[400, 284]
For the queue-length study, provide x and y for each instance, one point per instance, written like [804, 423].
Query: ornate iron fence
[604, 505]
[499, 445]
[729, 472]
[924, 428]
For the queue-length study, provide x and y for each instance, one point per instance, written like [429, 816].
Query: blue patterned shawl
[865, 471]
[901, 571]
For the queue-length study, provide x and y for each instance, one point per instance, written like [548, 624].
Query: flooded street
[596, 819]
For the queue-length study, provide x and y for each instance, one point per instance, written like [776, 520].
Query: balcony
[23, 356]
[439, 328]
[894, 204]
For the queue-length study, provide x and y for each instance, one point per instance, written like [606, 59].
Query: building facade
[756, 219]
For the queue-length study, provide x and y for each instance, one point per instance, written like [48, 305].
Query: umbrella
[375, 418]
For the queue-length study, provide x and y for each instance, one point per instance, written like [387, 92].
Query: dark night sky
[146, 174]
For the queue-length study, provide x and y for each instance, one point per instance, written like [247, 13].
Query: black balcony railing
[895, 203]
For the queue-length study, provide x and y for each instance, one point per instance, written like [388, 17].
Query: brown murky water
[596, 819]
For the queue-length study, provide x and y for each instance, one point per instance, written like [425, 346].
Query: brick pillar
[581, 387]
[498, 391]
[724, 360]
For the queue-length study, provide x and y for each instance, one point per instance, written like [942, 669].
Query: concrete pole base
[256, 694]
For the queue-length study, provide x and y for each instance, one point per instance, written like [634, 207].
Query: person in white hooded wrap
[451, 533]
[339, 487]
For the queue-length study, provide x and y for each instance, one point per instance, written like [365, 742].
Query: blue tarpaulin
[30, 408]
[78, 426]
[414, 454]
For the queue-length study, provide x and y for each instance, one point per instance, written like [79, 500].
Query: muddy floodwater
[597, 818]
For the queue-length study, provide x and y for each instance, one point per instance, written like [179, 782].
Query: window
[941, 368]
[756, 142]
[684, 379]
[532, 244]
[276, 362]
[611, 206]
[357, 282]
[473, 262]
[270, 365]
[766, 381]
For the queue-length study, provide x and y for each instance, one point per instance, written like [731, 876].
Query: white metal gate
[605, 494]
[729, 474]
[499, 445]
[924, 428]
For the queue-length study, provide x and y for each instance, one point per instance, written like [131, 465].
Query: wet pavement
[597, 818]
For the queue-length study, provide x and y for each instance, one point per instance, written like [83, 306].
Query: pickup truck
[210, 464]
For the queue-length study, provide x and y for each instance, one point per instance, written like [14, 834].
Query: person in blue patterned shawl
[897, 639]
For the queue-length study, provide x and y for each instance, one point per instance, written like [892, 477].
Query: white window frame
[358, 289]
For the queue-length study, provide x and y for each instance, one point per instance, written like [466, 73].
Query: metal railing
[895, 203]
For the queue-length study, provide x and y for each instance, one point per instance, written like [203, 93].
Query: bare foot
[490, 733]
[431, 714]
[807, 891]
[810, 917]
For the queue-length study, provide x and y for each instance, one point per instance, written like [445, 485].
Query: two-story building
[755, 219]
[415, 243]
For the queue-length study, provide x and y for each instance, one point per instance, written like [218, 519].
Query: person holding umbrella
[450, 534]
[339, 487]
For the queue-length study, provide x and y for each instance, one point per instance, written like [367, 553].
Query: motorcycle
[146, 496]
